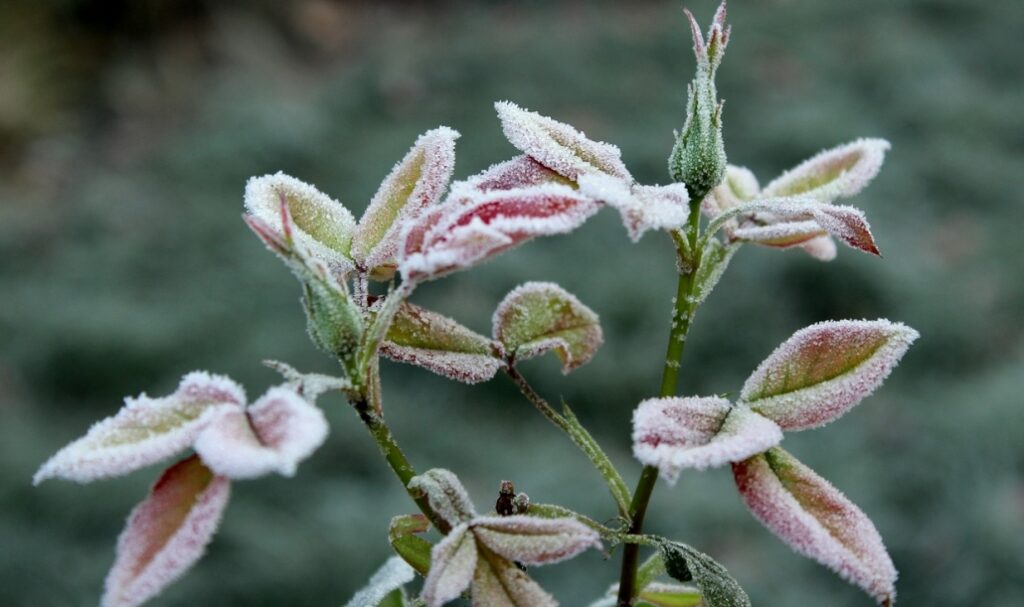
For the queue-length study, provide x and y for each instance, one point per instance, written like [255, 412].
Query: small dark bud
[506, 504]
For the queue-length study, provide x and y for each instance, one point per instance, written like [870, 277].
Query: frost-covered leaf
[822, 248]
[402, 535]
[519, 172]
[717, 587]
[273, 435]
[673, 433]
[642, 207]
[788, 222]
[840, 172]
[557, 145]
[472, 226]
[321, 225]
[435, 342]
[391, 576]
[671, 595]
[446, 495]
[738, 186]
[500, 583]
[417, 181]
[166, 533]
[817, 520]
[824, 370]
[537, 317]
[453, 563]
[534, 541]
[713, 262]
[145, 431]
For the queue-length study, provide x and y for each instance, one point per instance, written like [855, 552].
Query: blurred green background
[127, 130]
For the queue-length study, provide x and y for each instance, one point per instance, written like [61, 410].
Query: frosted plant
[358, 279]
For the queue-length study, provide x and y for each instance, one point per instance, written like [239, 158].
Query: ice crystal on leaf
[643, 207]
[391, 576]
[816, 520]
[273, 435]
[673, 433]
[717, 587]
[824, 370]
[435, 342]
[537, 317]
[146, 430]
[167, 533]
[321, 225]
[839, 172]
[479, 552]
[558, 146]
[472, 226]
[416, 182]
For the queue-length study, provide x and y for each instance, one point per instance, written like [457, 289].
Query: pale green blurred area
[127, 131]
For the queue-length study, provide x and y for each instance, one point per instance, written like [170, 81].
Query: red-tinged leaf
[824, 370]
[537, 317]
[498, 582]
[849, 225]
[437, 343]
[446, 495]
[519, 172]
[273, 435]
[167, 533]
[787, 222]
[840, 172]
[534, 541]
[453, 562]
[472, 226]
[816, 520]
[673, 434]
[417, 181]
[145, 431]
[557, 145]
[321, 225]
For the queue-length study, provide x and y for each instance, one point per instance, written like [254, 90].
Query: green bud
[333, 319]
[698, 156]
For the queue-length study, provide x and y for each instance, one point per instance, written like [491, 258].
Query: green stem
[682, 315]
[579, 435]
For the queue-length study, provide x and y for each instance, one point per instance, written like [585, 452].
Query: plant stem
[682, 315]
[579, 435]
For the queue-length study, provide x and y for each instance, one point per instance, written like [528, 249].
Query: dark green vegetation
[125, 142]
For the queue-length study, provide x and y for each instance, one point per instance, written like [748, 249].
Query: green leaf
[671, 595]
[713, 262]
[537, 317]
[437, 343]
[583, 439]
[717, 587]
[413, 549]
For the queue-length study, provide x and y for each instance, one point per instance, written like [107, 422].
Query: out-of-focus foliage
[127, 131]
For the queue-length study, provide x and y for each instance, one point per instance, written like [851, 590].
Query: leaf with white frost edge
[391, 576]
[674, 433]
[405, 541]
[166, 533]
[534, 541]
[816, 520]
[713, 262]
[642, 207]
[738, 186]
[446, 495]
[273, 435]
[557, 145]
[519, 172]
[435, 342]
[309, 385]
[145, 431]
[537, 317]
[415, 182]
[321, 225]
[788, 222]
[824, 370]
[717, 587]
[839, 172]
[472, 226]
[453, 563]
